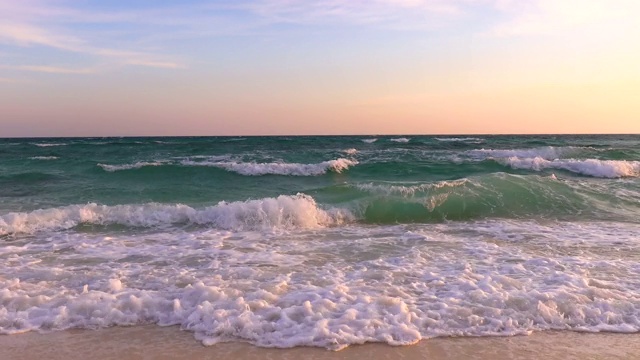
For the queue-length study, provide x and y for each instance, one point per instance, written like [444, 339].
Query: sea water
[322, 241]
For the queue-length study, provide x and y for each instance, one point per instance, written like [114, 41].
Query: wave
[590, 167]
[49, 144]
[245, 168]
[400, 140]
[137, 165]
[292, 169]
[351, 151]
[499, 195]
[408, 191]
[44, 158]
[369, 141]
[467, 139]
[546, 152]
[282, 212]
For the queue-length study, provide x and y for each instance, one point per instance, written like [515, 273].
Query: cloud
[352, 12]
[53, 69]
[550, 17]
[37, 23]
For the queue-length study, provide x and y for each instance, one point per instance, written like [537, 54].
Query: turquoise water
[323, 241]
[595, 176]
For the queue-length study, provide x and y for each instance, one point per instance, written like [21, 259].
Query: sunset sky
[143, 67]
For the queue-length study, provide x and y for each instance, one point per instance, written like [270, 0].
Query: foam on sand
[394, 284]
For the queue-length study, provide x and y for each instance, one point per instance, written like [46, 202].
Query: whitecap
[400, 140]
[137, 165]
[473, 140]
[590, 167]
[276, 168]
[547, 152]
[44, 158]
[49, 144]
[283, 212]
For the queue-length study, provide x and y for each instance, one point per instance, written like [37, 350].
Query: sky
[293, 67]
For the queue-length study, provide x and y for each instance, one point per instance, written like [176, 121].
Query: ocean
[322, 241]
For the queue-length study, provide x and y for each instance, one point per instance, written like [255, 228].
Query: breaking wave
[137, 165]
[590, 167]
[44, 158]
[291, 169]
[400, 140]
[282, 212]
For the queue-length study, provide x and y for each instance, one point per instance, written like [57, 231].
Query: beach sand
[153, 342]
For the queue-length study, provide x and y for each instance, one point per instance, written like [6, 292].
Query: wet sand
[153, 342]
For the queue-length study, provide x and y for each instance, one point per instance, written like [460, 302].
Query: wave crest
[282, 212]
[591, 167]
[292, 169]
[546, 152]
[400, 140]
[137, 165]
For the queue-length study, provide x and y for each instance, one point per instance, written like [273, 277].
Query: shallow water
[322, 241]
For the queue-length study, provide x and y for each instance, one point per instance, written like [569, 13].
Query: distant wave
[467, 139]
[561, 158]
[369, 141]
[590, 167]
[292, 169]
[44, 158]
[49, 144]
[409, 190]
[246, 168]
[138, 165]
[547, 152]
[400, 140]
[285, 212]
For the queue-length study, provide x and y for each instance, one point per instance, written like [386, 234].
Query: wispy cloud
[38, 23]
[353, 12]
[53, 69]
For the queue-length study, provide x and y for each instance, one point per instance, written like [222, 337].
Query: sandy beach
[153, 342]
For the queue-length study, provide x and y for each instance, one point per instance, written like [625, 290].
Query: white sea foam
[473, 140]
[49, 144]
[44, 158]
[137, 165]
[351, 151]
[292, 169]
[300, 211]
[590, 167]
[400, 140]
[369, 141]
[409, 190]
[331, 288]
[547, 152]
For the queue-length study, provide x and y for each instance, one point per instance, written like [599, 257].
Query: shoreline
[155, 342]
